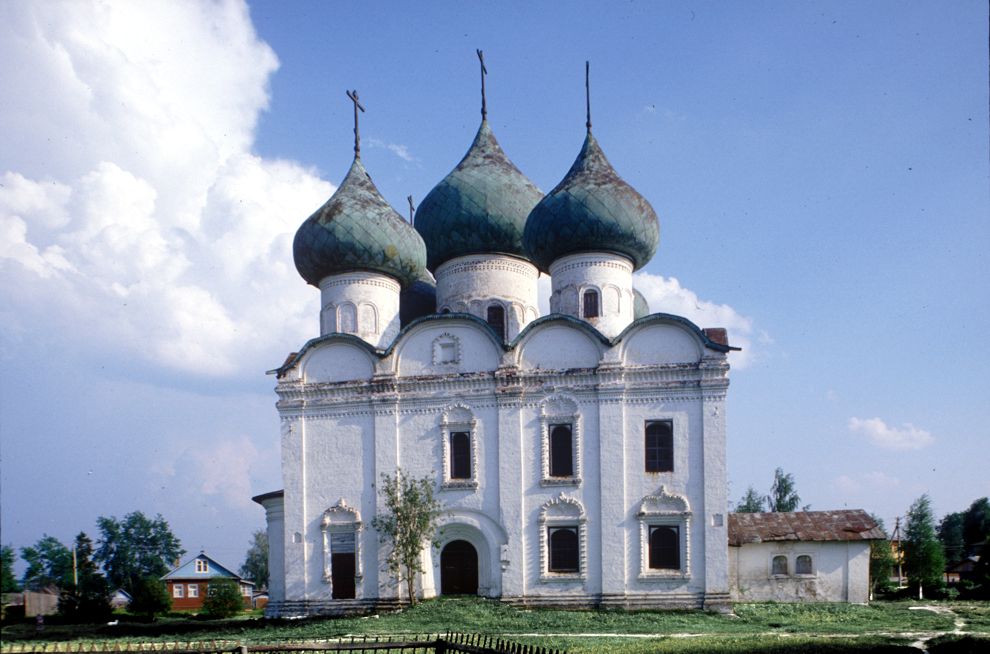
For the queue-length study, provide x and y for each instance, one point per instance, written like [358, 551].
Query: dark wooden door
[342, 575]
[459, 569]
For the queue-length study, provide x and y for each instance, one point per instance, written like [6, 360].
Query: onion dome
[358, 230]
[480, 207]
[640, 306]
[592, 210]
[418, 299]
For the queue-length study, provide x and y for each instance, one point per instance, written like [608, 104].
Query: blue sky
[820, 170]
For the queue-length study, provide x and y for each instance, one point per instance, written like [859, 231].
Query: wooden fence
[450, 643]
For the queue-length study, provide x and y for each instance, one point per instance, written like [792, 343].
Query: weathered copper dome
[479, 208]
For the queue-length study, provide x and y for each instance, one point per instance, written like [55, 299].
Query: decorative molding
[446, 350]
[559, 409]
[563, 511]
[341, 518]
[384, 282]
[458, 418]
[666, 509]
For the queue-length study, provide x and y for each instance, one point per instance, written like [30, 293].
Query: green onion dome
[357, 230]
[479, 208]
[591, 210]
[640, 306]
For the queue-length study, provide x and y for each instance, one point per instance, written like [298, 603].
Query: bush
[223, 598]
[150, 598]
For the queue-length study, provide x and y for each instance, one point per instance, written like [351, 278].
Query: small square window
[778, 567]
[802, 566]
[202, 566]
[178, 590]
[193, 590]
[447, 353]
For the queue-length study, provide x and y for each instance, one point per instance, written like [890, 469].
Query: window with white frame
[178, 590]
[563, 540]
[803, 565]
[202, 566]
[560, 438]
[664, 526]
[458, 432]
[341, 527]
[193, 590]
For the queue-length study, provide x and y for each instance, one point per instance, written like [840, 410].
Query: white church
[580, 456]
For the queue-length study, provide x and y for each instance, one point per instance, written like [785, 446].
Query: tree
[149, 597]
[950, 534]
[8, 582]
[223, 598]
[783, 497]
[49, 564]
[411, 517]
[924, 561]
[976, 523]
[881, 562]
[255, 565]
[89, 599]
[136, 547]
[751, 502]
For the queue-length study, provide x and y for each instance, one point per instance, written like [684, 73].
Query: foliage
[950, 534]
[924, 561]
[49, 564]
[149, 597]
[8, 583]
[783, 495]
[136, 547]
[255, 565]
[89, 600]
[411, 517]
[882, 563]
[976, 523]
[751, 502]
[223, 598]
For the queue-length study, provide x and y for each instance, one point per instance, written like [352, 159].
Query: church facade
[579, 456]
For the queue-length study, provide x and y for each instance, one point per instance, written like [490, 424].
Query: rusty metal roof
[479, 208]
[846, 525]
[592, 210]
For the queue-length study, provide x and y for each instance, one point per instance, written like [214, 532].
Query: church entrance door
[459, 569]
[342, 565]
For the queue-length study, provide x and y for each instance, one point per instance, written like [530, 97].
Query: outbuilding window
[802, 565]
[778, 567]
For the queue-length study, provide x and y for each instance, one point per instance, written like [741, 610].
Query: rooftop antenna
[412, 209]
[353, 95]
[484, 71]
[587, 93]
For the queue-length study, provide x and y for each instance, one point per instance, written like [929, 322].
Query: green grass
[881, 626]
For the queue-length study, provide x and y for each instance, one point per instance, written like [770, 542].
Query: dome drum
[595, 287]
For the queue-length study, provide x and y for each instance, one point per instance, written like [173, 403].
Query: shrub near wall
[223, 598]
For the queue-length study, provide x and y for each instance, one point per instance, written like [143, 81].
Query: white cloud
[908, 437]
[131, 207]
[666, 295]
[399, 150]
[872, 482]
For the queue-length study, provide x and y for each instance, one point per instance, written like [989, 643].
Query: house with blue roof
[188, 583]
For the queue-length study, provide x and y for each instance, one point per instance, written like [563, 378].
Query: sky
[820, 170]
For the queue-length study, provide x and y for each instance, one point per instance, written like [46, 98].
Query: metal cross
[353, 95]
[484, 71]
[412, 209]
[587, 92]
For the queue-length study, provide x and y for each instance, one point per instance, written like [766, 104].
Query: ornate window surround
[440, 345]
[458, 418]
[341, 518]
[560, 410]
[563, 511]
[670, 510]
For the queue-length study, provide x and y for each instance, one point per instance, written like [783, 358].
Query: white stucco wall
[362, 303]
[840, 572]
[609, 275]
[348, 417]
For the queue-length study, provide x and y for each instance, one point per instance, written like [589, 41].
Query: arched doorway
[458, 569]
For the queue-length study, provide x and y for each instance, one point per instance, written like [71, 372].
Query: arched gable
[447, 344]
[334, 360]
[559, 343]
[660, 339]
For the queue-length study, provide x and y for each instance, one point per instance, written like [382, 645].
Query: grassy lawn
[881, 626]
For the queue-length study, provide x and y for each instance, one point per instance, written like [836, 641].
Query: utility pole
[75, 569]
[898, 553]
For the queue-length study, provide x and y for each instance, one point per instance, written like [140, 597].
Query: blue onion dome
[357, 230]
[479, 208]
[418, 299]
[592, 210]
[640, 306]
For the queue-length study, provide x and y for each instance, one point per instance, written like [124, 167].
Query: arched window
[802, 566]
[563, 543]
[496, 318]
[779, 565]
[659, 446]
[665, 548]
[591, 304]
[460, 455]
[561, 451]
